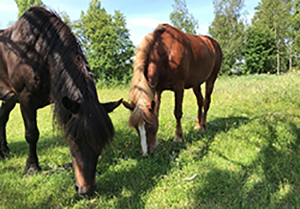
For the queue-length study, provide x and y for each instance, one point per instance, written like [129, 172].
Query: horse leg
[197, 92]
[209, 86]
[8, 103]
[157, 101]
[157, 105]
[32, 136]
[178, 115]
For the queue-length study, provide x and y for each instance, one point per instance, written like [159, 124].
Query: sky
[142, 16]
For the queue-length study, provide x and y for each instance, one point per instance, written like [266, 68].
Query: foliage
[295, 31]
[106, 41]
[249, 157]
[228, 29]
[23, 5]
[65, 18]
[181, 19]
[295, 23]
[259, 51]
[275, 15]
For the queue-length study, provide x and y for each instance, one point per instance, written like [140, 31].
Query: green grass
[249, 157]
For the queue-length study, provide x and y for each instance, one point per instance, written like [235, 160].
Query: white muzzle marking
[142, 131]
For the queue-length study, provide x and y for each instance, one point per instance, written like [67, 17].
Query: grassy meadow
[248, 158]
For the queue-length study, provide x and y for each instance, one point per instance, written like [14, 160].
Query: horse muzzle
[85, 190]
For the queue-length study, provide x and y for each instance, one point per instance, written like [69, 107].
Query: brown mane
[141, 93]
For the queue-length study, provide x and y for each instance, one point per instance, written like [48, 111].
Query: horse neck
[4, 39]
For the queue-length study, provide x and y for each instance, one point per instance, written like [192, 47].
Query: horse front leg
[178, 115]
[157, 106]
[32, 136]
[8, 103]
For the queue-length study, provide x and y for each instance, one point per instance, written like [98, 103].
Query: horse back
[183, 58]
[168, 58]
[22, 68]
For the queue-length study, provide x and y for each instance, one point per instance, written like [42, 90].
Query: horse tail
[140, 65]
[219, 56]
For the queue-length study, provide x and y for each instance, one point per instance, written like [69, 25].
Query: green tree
[181, 19]
[259, 51]
[228, 29]
[107, 44]
[295, 32]
[23, 5]
[275, 15]
[65, 18]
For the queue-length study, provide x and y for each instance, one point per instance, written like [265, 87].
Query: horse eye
[149, 127]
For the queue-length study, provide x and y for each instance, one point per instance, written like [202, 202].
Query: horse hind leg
[209, 86]
[198, 94]
[9, 100]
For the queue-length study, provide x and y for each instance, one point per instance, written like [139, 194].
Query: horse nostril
[85, 191]
[76, 188]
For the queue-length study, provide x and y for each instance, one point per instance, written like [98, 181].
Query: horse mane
[141, 93]
[70, 75]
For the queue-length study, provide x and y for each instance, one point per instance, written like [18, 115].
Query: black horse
[41, 62]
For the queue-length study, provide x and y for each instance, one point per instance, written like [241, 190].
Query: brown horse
[169, 59]
[41, 62]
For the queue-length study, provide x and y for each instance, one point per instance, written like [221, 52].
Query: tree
[275, 15]
[259, 51]
[229, 30]
[65, 18]
[181, 19]
[23, 5]
[106, 41]
[295, 31]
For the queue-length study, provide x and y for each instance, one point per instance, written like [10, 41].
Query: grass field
[249, 157]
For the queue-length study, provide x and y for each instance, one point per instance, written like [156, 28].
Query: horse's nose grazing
[83, 191]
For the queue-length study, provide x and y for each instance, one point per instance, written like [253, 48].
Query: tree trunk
[290, 62]
[278, 62]
[277, 51]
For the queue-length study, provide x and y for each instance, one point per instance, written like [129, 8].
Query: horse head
[86, 147]
[145, 120]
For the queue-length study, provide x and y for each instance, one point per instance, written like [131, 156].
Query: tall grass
[247, 159]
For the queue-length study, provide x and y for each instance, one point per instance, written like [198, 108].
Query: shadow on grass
[128, 184]
[271, 180]
[126, 175]
[21, 148]
[214, 128]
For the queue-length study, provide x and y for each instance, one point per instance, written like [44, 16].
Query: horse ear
[151, 105]
[70, 105]
[128, 105]
[110, 106]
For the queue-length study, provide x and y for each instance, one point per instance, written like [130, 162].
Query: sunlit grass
[247, 159]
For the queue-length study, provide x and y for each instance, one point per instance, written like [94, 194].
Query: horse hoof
[177, 139]
[1, 155]
[202, 129]
[4, 149]
[197, 127]
[33, 169]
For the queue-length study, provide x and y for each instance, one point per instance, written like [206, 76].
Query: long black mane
[60, 56]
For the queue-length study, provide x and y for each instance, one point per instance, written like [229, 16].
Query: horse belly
[196, 79]
[30, 84]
